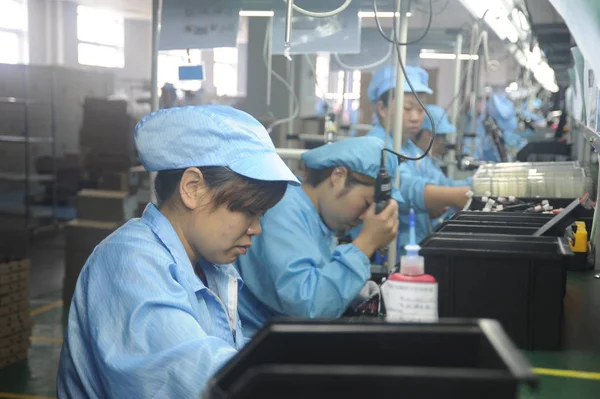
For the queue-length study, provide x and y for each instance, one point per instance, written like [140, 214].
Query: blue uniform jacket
[142, 324]
[296, 267]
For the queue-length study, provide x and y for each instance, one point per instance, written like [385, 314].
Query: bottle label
[410, 302]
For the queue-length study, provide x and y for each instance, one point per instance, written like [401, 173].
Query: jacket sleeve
[293, 276]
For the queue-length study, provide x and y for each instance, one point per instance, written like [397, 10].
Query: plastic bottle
[411, 295]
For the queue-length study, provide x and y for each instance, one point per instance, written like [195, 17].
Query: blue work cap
[384, 79]
[440, 118]
[209, 135]
[359, 154]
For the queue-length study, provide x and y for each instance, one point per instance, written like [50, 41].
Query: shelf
[22, 139]
[15, 100]
[21, 177]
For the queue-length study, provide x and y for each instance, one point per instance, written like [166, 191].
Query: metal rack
[32, 217]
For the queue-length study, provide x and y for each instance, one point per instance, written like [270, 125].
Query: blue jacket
[412, 191]
[142, 324]
[296, 268]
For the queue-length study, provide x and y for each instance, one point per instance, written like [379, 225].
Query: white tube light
[380, 14]
[426, 55]
[249, 13]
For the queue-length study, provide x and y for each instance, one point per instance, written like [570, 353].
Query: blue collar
[165, 232]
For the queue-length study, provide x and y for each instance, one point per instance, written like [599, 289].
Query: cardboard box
[84, 235]
[14, 297]
[105, 205]
[118, 181]
[14, 308]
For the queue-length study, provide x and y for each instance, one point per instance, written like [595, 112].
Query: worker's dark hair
[238, 192]
[314, 177]
[386, 96]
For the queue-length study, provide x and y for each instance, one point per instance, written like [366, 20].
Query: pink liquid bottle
[411, 295]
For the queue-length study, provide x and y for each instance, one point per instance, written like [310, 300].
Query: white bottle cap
[537, 208]
[545, 202]
[484, 199]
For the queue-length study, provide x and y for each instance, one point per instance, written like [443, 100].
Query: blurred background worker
[421, 193]
[429, 167]
[168, 96]
[296, 267]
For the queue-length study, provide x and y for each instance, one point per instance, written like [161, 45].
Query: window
[101, 36]
[13, 32]
[225, 75]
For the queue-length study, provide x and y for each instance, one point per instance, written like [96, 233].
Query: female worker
[296, 267]
[154, 311]
[429, 166]
[422, 194]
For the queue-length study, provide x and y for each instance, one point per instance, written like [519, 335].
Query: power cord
[394, 40]
[401, 63]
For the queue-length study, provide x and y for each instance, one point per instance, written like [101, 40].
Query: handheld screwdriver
[383, 187]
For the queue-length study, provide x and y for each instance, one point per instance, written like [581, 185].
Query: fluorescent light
[428, 55]
[514, 86]
[248, 13]
[409, 14]
[380, 14]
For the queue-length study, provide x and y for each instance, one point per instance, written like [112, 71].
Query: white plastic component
[548, 207]
[488, 193]
[470, 194]
[545, 202]
[501, 200]
[538, 208]
[512, 198]
[486, 209]
[499, 208]
[484, 199]
[491, 202]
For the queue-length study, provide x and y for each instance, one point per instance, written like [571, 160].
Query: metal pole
[398, 111]
[156, 22]
[288, 28]
[451, 157]
[290, 125]
[344, 89]
[269, 35]
[474, 96]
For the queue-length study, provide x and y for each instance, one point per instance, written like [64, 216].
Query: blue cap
[440, 118]
[503, 111]
[209, 135]
[359, 154]
[385, 79]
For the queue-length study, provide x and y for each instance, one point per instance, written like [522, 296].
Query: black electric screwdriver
[383, 187]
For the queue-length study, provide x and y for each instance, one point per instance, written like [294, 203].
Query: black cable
[429, 23]
[438, 12]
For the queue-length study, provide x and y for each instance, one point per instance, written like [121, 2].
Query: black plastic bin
[518, 280]
[453, 226]
[373, 359]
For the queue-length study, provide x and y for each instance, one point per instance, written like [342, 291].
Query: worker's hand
[378, 229]
[436, 213]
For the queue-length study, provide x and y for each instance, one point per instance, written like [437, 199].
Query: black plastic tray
[374, 359]
[518, 280]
